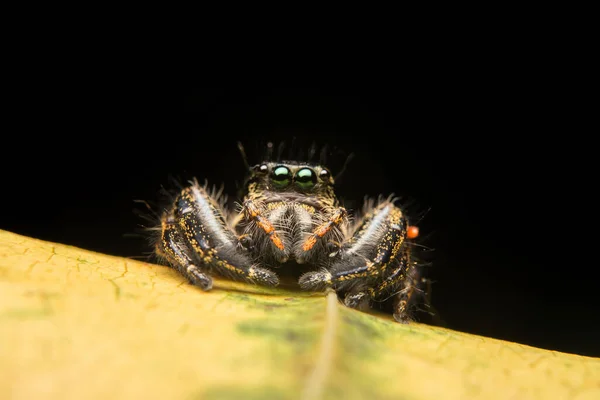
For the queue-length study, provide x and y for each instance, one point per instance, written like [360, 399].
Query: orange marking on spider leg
[322, 230]
[276, 241]
[309, 243]
[412, 232]
[319, 232]
[251, 209]
[263, 223]
[266, 226]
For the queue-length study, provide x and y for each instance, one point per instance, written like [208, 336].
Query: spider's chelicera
[290, 215]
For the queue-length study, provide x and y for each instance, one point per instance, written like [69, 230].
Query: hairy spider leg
[172, 247]
[367, 254]
[406, 296]
[210, 241]
[404, 276]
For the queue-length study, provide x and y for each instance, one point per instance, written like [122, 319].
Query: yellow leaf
[82, 325]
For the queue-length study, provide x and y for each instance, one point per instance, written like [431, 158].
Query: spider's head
[304, 181]
[292, 177]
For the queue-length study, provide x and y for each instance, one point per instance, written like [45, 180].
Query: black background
[495, 162]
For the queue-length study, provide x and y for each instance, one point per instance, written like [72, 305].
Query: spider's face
[291, 180]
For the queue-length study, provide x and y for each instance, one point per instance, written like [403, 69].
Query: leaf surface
[75, 324]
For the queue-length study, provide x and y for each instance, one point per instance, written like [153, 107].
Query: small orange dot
[412, 232]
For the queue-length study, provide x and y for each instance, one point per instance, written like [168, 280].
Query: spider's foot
[263, 276]
[401, 314]
[199, 278]
[402, 318]
[315, 280]
[359, 301]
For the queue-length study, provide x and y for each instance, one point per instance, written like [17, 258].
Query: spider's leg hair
[323, 155]
[291, 154]
[149, 214]
[280, 149]
[312, 151]
[243, 154]
[149, 227]
[343, 169]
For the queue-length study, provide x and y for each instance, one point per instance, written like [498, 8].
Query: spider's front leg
[374, 263]
[197, 240]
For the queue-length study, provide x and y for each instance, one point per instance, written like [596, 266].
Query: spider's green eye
[282, 176]
[305, 178]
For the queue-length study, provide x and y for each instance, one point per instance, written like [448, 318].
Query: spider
[290, 215]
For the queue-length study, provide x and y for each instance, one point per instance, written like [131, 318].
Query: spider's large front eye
[305, 178]
[282, 176]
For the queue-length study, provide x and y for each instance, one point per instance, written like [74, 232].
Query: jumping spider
[290, 215]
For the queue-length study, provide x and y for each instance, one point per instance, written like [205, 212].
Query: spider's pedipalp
[254, 213]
